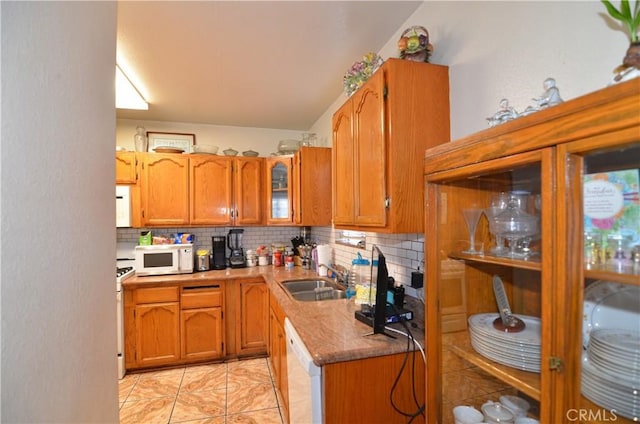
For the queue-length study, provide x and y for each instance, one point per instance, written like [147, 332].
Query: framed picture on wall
[160, 140]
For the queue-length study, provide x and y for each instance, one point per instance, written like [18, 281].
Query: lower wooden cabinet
[172, 325]
[278, 351]
[252, 319]
[201, 322]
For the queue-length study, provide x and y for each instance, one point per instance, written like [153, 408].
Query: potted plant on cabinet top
[630, 67]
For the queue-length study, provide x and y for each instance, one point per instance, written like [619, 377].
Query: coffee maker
[219, 252]
[234, 241]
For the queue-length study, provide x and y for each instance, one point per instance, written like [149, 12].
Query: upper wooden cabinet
[299, 188]
[379, 136]
[225, 191]
[164, 189]
[183, 190]
[126, 168]
[557, 291]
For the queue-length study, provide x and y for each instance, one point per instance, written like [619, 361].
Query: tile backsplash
[404, 252]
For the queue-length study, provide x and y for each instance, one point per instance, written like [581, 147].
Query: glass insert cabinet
[541, 300]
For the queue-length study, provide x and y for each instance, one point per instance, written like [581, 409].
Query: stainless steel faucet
[342, 273]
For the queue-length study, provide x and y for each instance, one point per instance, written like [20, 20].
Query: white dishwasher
[304, 379]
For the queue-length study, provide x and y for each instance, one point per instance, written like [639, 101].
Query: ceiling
[262, 64]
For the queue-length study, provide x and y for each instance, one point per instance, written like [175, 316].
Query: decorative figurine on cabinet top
[504, 114]
[550, 97]
[360, 72]
[414, 44]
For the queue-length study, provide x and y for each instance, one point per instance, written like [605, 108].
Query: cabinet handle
[555, 363]
[217, 286]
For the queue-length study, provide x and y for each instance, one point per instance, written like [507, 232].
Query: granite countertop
[328, 328]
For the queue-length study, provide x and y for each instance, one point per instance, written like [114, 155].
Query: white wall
[498, 49]
[57, 246]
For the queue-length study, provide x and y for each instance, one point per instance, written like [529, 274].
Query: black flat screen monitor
[381, 279]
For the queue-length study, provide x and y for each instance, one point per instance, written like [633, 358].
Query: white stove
[124, 269]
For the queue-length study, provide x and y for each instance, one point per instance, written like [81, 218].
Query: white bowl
[467, 415]
[230, 152]
[515, 404]
[205, 148]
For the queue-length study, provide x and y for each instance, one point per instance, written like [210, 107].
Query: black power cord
[410, 339]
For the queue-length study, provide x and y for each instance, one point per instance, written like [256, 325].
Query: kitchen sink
[313, 290]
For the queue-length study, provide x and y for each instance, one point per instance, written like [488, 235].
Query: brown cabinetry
[180, 190]
[299, 188]
[126, 168]
[253, 304]
[201, 322]
[399, 112]
[164, 189]
[547, 155]
[157, 327]
[225, 191]
[173, 325]
[278, 351]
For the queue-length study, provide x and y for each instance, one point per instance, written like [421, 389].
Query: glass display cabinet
[532, 248]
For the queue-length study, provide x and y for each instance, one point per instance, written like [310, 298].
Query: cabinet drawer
[201, 297]
[156, 295]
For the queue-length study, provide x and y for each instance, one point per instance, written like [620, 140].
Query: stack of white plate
[519, 350]
[611, 371]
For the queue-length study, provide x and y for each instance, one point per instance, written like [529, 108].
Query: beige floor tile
[250, 397]
[205, 404]
[250, 371]
[201, 378]
[126, 385]
[158, 384]
[148, 411]
[214, 420]
[265, 416]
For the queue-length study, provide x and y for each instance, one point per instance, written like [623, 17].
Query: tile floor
[226, 393]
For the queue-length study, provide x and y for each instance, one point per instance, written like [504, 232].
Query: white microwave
[163, 259]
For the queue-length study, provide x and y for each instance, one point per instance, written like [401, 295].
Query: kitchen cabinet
[546, 154]
[164, 189]
[173, 324]
[299, 188]
[225, 191]
[201, 322]
[247, 316]
[253, 304]
[126, 168]
[402, 110]
[156, 314]
[278, 352]
[279, 190]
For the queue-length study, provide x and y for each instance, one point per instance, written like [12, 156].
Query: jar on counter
[288, 260]
[277, 258]
[252, 258]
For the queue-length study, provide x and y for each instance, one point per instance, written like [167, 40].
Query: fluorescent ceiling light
[127, 96]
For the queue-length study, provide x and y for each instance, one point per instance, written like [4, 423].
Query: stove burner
[121, 271]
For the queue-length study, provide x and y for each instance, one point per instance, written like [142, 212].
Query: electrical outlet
[417, 279]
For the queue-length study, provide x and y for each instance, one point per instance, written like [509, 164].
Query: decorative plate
[610, 305]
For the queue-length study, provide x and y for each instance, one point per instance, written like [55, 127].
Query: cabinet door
[157, 333]
[248, 191]
[165, 189]
[311, 184]
[601, 213]
[210, 190]
[370, 155]
[252, 329]
[201, 333]
[279, 190]
[342, 165]
[126, 168]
